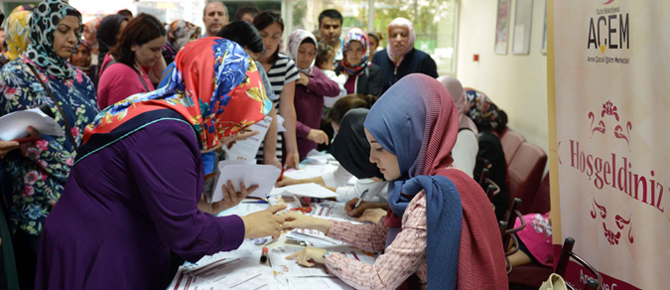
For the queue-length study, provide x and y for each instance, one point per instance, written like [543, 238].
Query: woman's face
[66, 36]
[399, 39]
[385, 161]
[355, 52]
[147, 54]
[89, 35]
[373, 46]
[306, 55]
[82, 57]
[271, 37]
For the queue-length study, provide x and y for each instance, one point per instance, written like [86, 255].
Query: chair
[542, 201]
[508, 231]
[564, 258]
[525, 174]
[511, 141]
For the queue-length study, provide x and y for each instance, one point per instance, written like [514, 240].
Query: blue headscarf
[417, 121]
[43, 24]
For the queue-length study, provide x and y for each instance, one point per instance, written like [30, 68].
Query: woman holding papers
[33, 183]
[441, 226]
[116, 224]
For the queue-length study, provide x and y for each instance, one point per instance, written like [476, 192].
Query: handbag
[555, 282]
[68, 130]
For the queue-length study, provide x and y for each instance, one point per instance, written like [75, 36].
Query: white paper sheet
[184, 281]
[247, 149]
[313, 238]
[15, 124]
[309, 171]
[244, 273]
[308, 190]
[316, 157]
[290, 268]
[334, 211]
[264, 176]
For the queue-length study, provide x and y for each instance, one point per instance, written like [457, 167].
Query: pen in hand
[361, 198]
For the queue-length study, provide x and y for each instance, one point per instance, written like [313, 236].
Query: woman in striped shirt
[282, 73]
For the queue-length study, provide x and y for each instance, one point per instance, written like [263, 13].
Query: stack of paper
[316, 157]
[15, 124]
[313, 238]
[246, 171]
[247, 149]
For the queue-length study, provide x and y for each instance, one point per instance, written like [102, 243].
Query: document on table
[183, 281]
[313, 238]
[333, 211]
[310, 171]
[244, 273]
[290, 268]
[247, 149]
[316, 157]
[308, 190]
[15, 124]
[246, 171]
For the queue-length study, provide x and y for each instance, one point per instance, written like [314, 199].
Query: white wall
[516, 83]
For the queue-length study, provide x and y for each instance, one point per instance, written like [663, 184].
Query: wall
[516, 83]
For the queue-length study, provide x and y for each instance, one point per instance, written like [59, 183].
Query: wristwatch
[326, 254]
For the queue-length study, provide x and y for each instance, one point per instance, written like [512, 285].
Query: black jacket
[370, 81]
[491, 150]
[415, 61]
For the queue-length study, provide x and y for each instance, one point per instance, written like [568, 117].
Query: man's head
[246, 13]
[330, 26]
[215, 17]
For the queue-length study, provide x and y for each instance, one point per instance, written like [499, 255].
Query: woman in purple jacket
[310, 89]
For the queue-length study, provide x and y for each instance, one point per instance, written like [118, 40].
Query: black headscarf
[106, 35]
[351, 148]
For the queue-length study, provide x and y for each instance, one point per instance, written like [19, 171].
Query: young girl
[310, 89]
[449, 236]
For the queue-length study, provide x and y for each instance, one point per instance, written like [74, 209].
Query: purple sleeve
[302, 130]
[170, 181]
[322, 85]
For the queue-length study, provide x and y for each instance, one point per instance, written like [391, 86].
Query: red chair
[542, 201]
[511, 141]
[525, 174]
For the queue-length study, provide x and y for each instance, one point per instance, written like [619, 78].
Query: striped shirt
[282, 72]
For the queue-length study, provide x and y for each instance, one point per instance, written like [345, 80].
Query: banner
[612, 78]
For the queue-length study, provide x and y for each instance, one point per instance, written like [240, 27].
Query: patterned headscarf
[17, 32]
[482, 110]
[294, 41]
[400, 22]
[355, 34]
[180, 33]
[43, 24]
[215, 87]
[92, 26]
[417, 121]
[457, 93]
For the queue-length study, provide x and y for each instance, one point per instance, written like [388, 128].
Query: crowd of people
[147, 106]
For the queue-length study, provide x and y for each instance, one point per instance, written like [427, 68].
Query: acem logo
[609, 29]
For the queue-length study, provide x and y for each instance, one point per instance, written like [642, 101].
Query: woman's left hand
[308, 257]
[303, 80]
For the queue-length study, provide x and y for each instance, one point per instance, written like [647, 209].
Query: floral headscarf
[482, 110]
[17, 32]
[400, 22]
[92, 27]
[215, 87]
[179, 33]
[294, 41]
[356, 34]
[43, 24]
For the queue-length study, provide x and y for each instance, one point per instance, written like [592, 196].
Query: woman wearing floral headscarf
[179, 33]
[117, 232]
[400, 58]
[16, 33]
[33, 181]
[363, 77]
[310, 89]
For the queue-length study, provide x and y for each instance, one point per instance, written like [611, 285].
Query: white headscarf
[405, 23]
[294, 41]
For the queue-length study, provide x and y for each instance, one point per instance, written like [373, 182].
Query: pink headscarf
[458, 95]
[400, 22]
[294, 41]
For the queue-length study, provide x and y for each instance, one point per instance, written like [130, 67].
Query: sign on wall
[612, 66]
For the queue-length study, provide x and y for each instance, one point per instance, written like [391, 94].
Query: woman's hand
[372, 215]
[292, 159]
[264, 223]
[272, 160]
[349, 207]
[24, 147]
[239, 136]
[232, 198]
[318, 136]
[296, 220]
[7, 146]
[286, 181]
[315, 255]
[303, 80]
